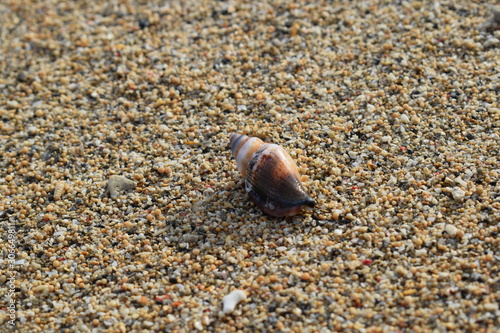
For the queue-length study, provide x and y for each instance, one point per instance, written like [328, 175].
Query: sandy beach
[122, 209]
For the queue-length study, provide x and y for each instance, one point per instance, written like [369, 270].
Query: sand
[122, 209]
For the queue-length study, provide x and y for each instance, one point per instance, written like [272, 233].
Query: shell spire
[272, 178]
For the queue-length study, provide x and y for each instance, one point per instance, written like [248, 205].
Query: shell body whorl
[272, 178]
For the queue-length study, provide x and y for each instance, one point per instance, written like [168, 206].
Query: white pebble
[32, 130]
[198, 325]
[420, 252]
[458, 193]
[451, 230]
[163, 128]
[386, 138]
[491, 307]
[404, 118]
[460, 182]
[13, 104]
[392, 181]
[491, 42]
[230, 301]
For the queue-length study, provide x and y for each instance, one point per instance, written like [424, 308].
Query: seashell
[59, 190]
[272, 178]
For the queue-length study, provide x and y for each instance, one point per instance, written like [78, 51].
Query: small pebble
[198, 325]
[451, 230]
[491, 42]
[404, 118]
[230, 301]
[491, 307]
[118, 184]
[457, 193]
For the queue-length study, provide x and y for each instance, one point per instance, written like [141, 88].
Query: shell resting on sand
[272, 178]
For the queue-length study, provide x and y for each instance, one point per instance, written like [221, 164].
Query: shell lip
[309, 202]
[280, 208]
[307, 205]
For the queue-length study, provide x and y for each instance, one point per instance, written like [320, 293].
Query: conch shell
[272, 178]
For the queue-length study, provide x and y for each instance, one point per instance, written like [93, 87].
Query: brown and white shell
[272, 178]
